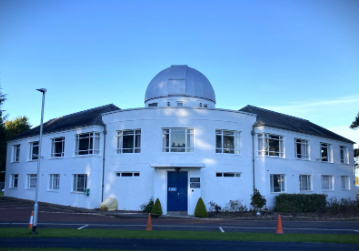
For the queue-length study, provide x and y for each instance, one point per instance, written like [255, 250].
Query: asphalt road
[17, 214]
[148, 244]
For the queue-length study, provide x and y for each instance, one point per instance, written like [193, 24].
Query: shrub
[257, 200]
[234, 206]
[300, 203]
[157, 208]
[214, 207]
[147, 207]
[200, 210]
[344, 206]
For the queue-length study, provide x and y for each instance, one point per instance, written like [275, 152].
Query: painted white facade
[153, 164]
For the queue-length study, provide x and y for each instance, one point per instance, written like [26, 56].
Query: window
[14, 178]
[34, 150]
[180, 104]
[128, 174]
[327, 182]
[277, 183]
[16, 153]
[129, 141]
[57, 147]
[177, 140]
[228, 175]
[270, 145]
[54, 183]
[87, 144]
[301, 149]
[227, 141]
[345, 183]
[305, 183]
[80, 183]
[344, 154]
[325, 155]
[152, 105]
[31, 181]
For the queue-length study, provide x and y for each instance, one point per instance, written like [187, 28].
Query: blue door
[177, 191]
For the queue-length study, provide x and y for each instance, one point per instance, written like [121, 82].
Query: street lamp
[36, 207]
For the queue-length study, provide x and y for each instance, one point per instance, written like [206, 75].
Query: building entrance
[177, 183]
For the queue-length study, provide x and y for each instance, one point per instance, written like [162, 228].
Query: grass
[179, 235]
[57, 249]
[1, 193]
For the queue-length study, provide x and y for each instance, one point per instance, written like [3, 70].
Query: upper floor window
[177, 140]
[87, 143]
[54, 183]
[57, 147]
[301, 149]
[31, 181]
[277, 183]
[227, 141]
[325, 152]
[15, 153]
[344, 154]
[270, 145]
[129, 141]
[152, 105]
[14, 178]
[305, 183]
[327, 182]
[34, 150]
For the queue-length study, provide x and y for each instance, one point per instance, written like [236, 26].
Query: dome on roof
[180, 80]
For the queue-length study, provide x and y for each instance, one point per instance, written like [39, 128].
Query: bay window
[270, 145]
[87, 143]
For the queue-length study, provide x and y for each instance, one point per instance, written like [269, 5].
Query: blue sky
[296, 57]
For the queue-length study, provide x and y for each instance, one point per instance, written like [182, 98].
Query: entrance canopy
[178, 165]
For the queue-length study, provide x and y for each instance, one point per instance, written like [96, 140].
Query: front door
[177, 191]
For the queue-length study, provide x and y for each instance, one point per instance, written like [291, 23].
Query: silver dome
[180, 80]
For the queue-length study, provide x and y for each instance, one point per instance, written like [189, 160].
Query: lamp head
[42, 90]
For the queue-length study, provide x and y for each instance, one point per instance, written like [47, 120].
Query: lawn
[183, 235]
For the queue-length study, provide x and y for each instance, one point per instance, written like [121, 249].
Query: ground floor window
[128, 174]
[277, 183]
[305, 183]
[54, 183]
[31, 181]
[232, 175]
[80, 182]
[345, 183]
[327, 182]
[14, 180]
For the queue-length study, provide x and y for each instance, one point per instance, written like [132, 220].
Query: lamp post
[34, 225]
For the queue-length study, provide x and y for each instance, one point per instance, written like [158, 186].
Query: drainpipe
[103, 162]
[253, 159]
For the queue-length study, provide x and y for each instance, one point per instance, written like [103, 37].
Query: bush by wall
[157, 208]
[257, 200]
[147, 207]
[343, 206]
[201, 210]
[300, 203]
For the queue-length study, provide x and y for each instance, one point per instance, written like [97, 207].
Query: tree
[355, 123]
[16, 126]
[257, 200]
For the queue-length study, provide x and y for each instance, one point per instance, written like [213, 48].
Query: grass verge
[179, 235]
[57, 249]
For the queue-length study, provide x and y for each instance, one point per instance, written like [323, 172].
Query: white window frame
[133, 174]
[75, 179]
[189, 132]
[308, 179]
[54, 182]
[53, 147]
[282, 183]
[14, 177]
[31, 182]
[228, 175]
[33, 156]
[330, 179]
[263, 140]
[345, 158]
[15, 153]
[236, 140]
[345, 182]
[92, 150]
[135, 149]
[304, 145]
[329, 158]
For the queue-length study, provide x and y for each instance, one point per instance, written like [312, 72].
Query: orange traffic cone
[31, 219]
[279, 226]
[149, 224]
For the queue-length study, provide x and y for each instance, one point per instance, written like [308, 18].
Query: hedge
[300, 203]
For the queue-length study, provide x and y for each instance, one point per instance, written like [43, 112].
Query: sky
[298, 57]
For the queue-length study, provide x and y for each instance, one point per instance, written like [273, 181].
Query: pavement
[16, 213]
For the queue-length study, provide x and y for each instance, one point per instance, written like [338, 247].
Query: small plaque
[197, 179]
[172, 189]
[195, 185]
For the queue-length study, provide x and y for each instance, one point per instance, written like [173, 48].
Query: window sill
[87, 156]
[346, 190]
[56, 158]
[31, 160]
[33, 189]
[229, 154]
[13, 188]
[277, 192]
[344, 163]
[302, 159]
[128, 153]
[328, 190]
[306, 191]
[78, 192]
[53, 191]
[318, 161]
[178, 153]
[14, 162]
[267, 156]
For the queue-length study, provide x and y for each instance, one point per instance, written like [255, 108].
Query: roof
[286, 122]
[83, 118]
[180, 80]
